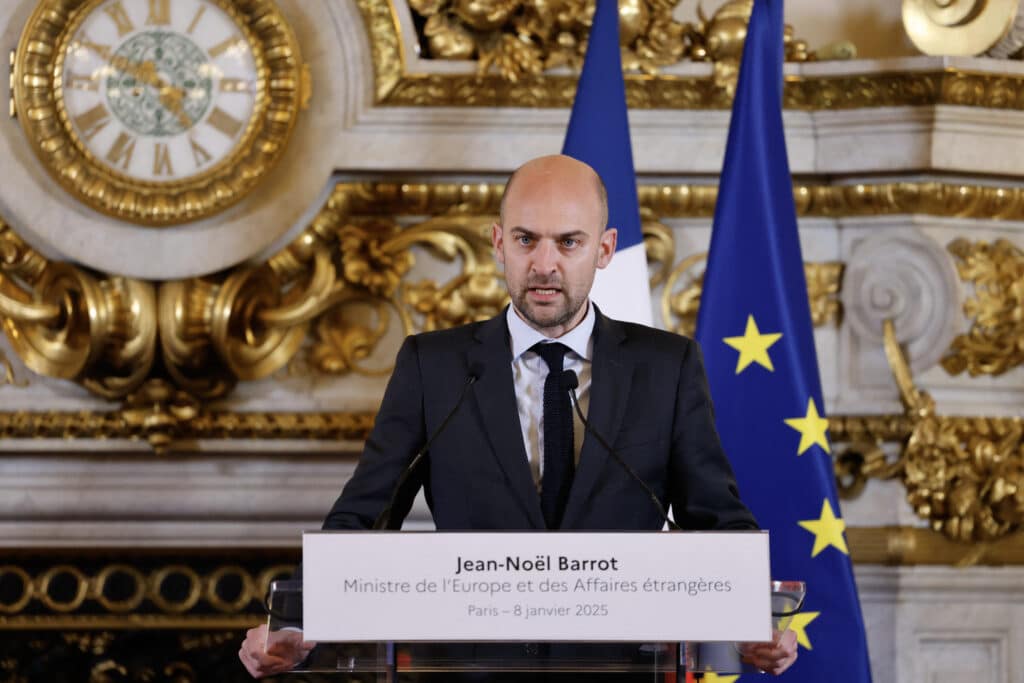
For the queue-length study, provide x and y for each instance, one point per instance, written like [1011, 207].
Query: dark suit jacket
[648, 398]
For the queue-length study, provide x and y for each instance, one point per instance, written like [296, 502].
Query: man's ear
[498, 242]
[606, 247]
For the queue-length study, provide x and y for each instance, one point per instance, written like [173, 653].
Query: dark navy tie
[558, 452]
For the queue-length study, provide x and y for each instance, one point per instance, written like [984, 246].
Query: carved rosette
[904, 276]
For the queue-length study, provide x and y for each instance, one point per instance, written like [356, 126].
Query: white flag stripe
[622, 290]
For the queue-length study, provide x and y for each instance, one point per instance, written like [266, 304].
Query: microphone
[383, 520]
[571, 382]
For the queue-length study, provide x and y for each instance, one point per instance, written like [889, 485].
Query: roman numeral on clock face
[159, 13]
[162, 160]
[224, 122]
[120, 17]
[121, 151]
[92, 121]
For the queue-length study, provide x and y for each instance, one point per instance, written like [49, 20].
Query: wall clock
[158, 111]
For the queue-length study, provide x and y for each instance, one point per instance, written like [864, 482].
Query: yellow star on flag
[753, 346]
[827, 529]
[812, 428]
[799, 625]
[712, 677]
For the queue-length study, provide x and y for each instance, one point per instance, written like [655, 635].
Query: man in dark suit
[646, 391]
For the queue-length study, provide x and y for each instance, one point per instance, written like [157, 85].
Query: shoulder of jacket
[451, 339]
[651, 339]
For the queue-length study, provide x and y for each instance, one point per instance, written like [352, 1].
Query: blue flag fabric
[755, 329]
[598, 135]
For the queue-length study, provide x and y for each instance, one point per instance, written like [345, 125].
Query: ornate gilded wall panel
[488, 29]
[324, 304]
[964, 475]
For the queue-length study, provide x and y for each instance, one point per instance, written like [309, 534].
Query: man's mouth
[544, 295]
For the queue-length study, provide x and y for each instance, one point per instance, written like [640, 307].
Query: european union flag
[755, 329]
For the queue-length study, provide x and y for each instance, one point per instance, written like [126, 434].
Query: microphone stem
[383, 520]
[654, 498]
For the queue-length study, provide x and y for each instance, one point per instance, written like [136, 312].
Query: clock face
[158, 111]
[159, 90]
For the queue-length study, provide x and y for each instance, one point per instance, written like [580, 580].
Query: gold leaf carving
[659, 244]
[207, 424]
[662, 43]
[65, 323]
[964, 475]
[368, 261]
[523, 38]
[995, 342]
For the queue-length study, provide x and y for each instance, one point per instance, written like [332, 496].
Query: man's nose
[545, 257]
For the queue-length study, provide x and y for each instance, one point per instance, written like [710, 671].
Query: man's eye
[570, 242]
[524, 240]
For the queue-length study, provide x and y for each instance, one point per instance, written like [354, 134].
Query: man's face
[551, 243]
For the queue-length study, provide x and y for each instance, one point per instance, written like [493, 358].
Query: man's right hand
[287, 650]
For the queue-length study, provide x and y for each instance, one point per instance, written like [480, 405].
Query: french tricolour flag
[599, 135]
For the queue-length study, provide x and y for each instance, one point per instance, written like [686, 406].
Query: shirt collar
[578, 339]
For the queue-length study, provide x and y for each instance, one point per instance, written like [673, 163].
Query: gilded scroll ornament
[995, 341]
[66, 323]
[964, 475]
[331, 296]
[330, 299]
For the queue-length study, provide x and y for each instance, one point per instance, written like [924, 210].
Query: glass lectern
[389, 662]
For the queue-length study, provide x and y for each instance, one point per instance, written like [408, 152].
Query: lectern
[636, 604]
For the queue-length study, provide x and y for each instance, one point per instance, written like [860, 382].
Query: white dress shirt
[529, 372]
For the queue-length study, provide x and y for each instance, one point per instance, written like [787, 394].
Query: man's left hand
[772, 657]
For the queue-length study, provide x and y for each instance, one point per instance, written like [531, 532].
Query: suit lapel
[495, 397]
[609, 390]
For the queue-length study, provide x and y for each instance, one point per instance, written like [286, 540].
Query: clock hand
[170, 96]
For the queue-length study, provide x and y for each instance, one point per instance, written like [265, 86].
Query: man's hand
[286, 650]
[772, 657]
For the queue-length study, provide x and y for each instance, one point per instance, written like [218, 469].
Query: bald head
[559, 173]
[552, 238]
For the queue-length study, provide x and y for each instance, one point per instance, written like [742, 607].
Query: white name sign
[509, 586]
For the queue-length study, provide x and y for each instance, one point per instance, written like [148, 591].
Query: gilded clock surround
[38, 101]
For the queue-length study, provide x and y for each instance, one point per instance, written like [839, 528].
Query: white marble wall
[944, 625]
